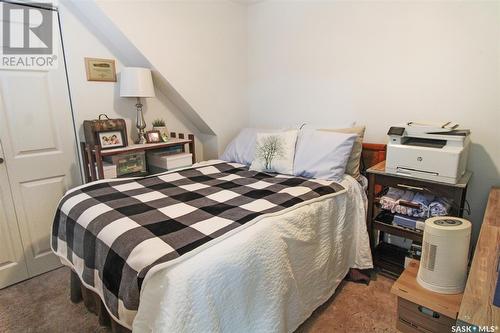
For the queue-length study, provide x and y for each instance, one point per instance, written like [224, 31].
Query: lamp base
[140, 124]
[141, 139]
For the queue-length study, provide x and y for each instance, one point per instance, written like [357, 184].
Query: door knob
[1, 160]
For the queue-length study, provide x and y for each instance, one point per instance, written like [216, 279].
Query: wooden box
[103, 123]
[129, 163]
[159, 162]
[422, 310]
[413, 318]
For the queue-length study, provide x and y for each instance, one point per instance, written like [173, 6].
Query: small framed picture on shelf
[110, 139]
[153, 137]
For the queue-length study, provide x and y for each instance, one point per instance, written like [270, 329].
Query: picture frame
[111, 139]
[98, 69]
[164, 137]
[153, 137]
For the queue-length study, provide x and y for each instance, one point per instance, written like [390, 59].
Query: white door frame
[41, 151]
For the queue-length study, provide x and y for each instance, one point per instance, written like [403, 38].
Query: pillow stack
[323, 154]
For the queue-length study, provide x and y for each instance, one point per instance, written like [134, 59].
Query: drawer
[422, 319]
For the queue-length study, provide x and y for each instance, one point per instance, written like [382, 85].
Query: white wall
[277, 63]
[199, 47]
[380, 64]
[89, 99]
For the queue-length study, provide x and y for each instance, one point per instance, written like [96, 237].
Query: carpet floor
[42, 305]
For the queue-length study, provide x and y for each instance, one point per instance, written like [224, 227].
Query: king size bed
[212, 248]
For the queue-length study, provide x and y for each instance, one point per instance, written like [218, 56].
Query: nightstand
[388, 258]
[422, 310]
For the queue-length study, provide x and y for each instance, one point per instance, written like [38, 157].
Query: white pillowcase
[242, 148]
[274, 152]
[322, 155]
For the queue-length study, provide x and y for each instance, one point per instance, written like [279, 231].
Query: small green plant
[158, 123]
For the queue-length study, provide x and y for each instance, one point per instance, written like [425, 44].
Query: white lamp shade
[136, 82]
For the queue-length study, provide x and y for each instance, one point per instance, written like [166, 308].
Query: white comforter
[268, 277]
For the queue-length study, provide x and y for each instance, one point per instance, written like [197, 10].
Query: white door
[12, 263]
[40, 152]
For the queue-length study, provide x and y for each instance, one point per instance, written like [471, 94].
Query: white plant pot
[162, 130]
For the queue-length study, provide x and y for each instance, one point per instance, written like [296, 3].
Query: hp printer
[435, 152]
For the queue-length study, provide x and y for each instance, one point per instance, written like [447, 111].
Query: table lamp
[137, 82]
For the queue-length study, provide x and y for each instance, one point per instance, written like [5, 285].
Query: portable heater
[445, 251]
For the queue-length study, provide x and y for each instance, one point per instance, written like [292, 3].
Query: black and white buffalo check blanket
[113, 232]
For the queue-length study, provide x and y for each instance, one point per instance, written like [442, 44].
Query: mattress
[269, 277]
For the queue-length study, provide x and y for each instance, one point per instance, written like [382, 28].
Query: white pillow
[242, 148]
[274, 152]
[322, 155]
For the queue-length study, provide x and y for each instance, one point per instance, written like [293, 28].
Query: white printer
[436, 152]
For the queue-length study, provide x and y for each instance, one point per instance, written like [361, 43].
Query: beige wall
[277, 63]
[380, 64]
[89, 99]
[199, 47]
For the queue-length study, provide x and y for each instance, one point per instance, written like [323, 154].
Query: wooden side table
[379, 179]
[422, 310]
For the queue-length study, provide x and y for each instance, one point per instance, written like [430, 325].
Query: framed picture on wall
[110, 139]
[100, 69]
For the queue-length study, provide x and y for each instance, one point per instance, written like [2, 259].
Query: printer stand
[389, 258]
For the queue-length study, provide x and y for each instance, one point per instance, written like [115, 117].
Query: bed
[277, 248]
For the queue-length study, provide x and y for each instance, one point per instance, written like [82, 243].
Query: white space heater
[445, 249]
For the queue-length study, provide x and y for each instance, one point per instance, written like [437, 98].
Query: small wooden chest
[103, 123]
[421, 310]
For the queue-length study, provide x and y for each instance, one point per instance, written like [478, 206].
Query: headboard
[372, 154]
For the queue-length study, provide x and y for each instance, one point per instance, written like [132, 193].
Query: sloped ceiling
[100, 23]
[197, 51]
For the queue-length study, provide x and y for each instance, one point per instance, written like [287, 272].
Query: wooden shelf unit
[92, 154]
[378, 180]
[398, 231]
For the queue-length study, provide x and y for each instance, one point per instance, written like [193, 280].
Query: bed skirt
[94, 304]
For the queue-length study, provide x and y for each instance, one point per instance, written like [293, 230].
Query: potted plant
[159, 125]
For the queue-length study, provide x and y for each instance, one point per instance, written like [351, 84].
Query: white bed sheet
[269, 277]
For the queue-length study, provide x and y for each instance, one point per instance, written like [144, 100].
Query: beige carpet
[42, 305]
